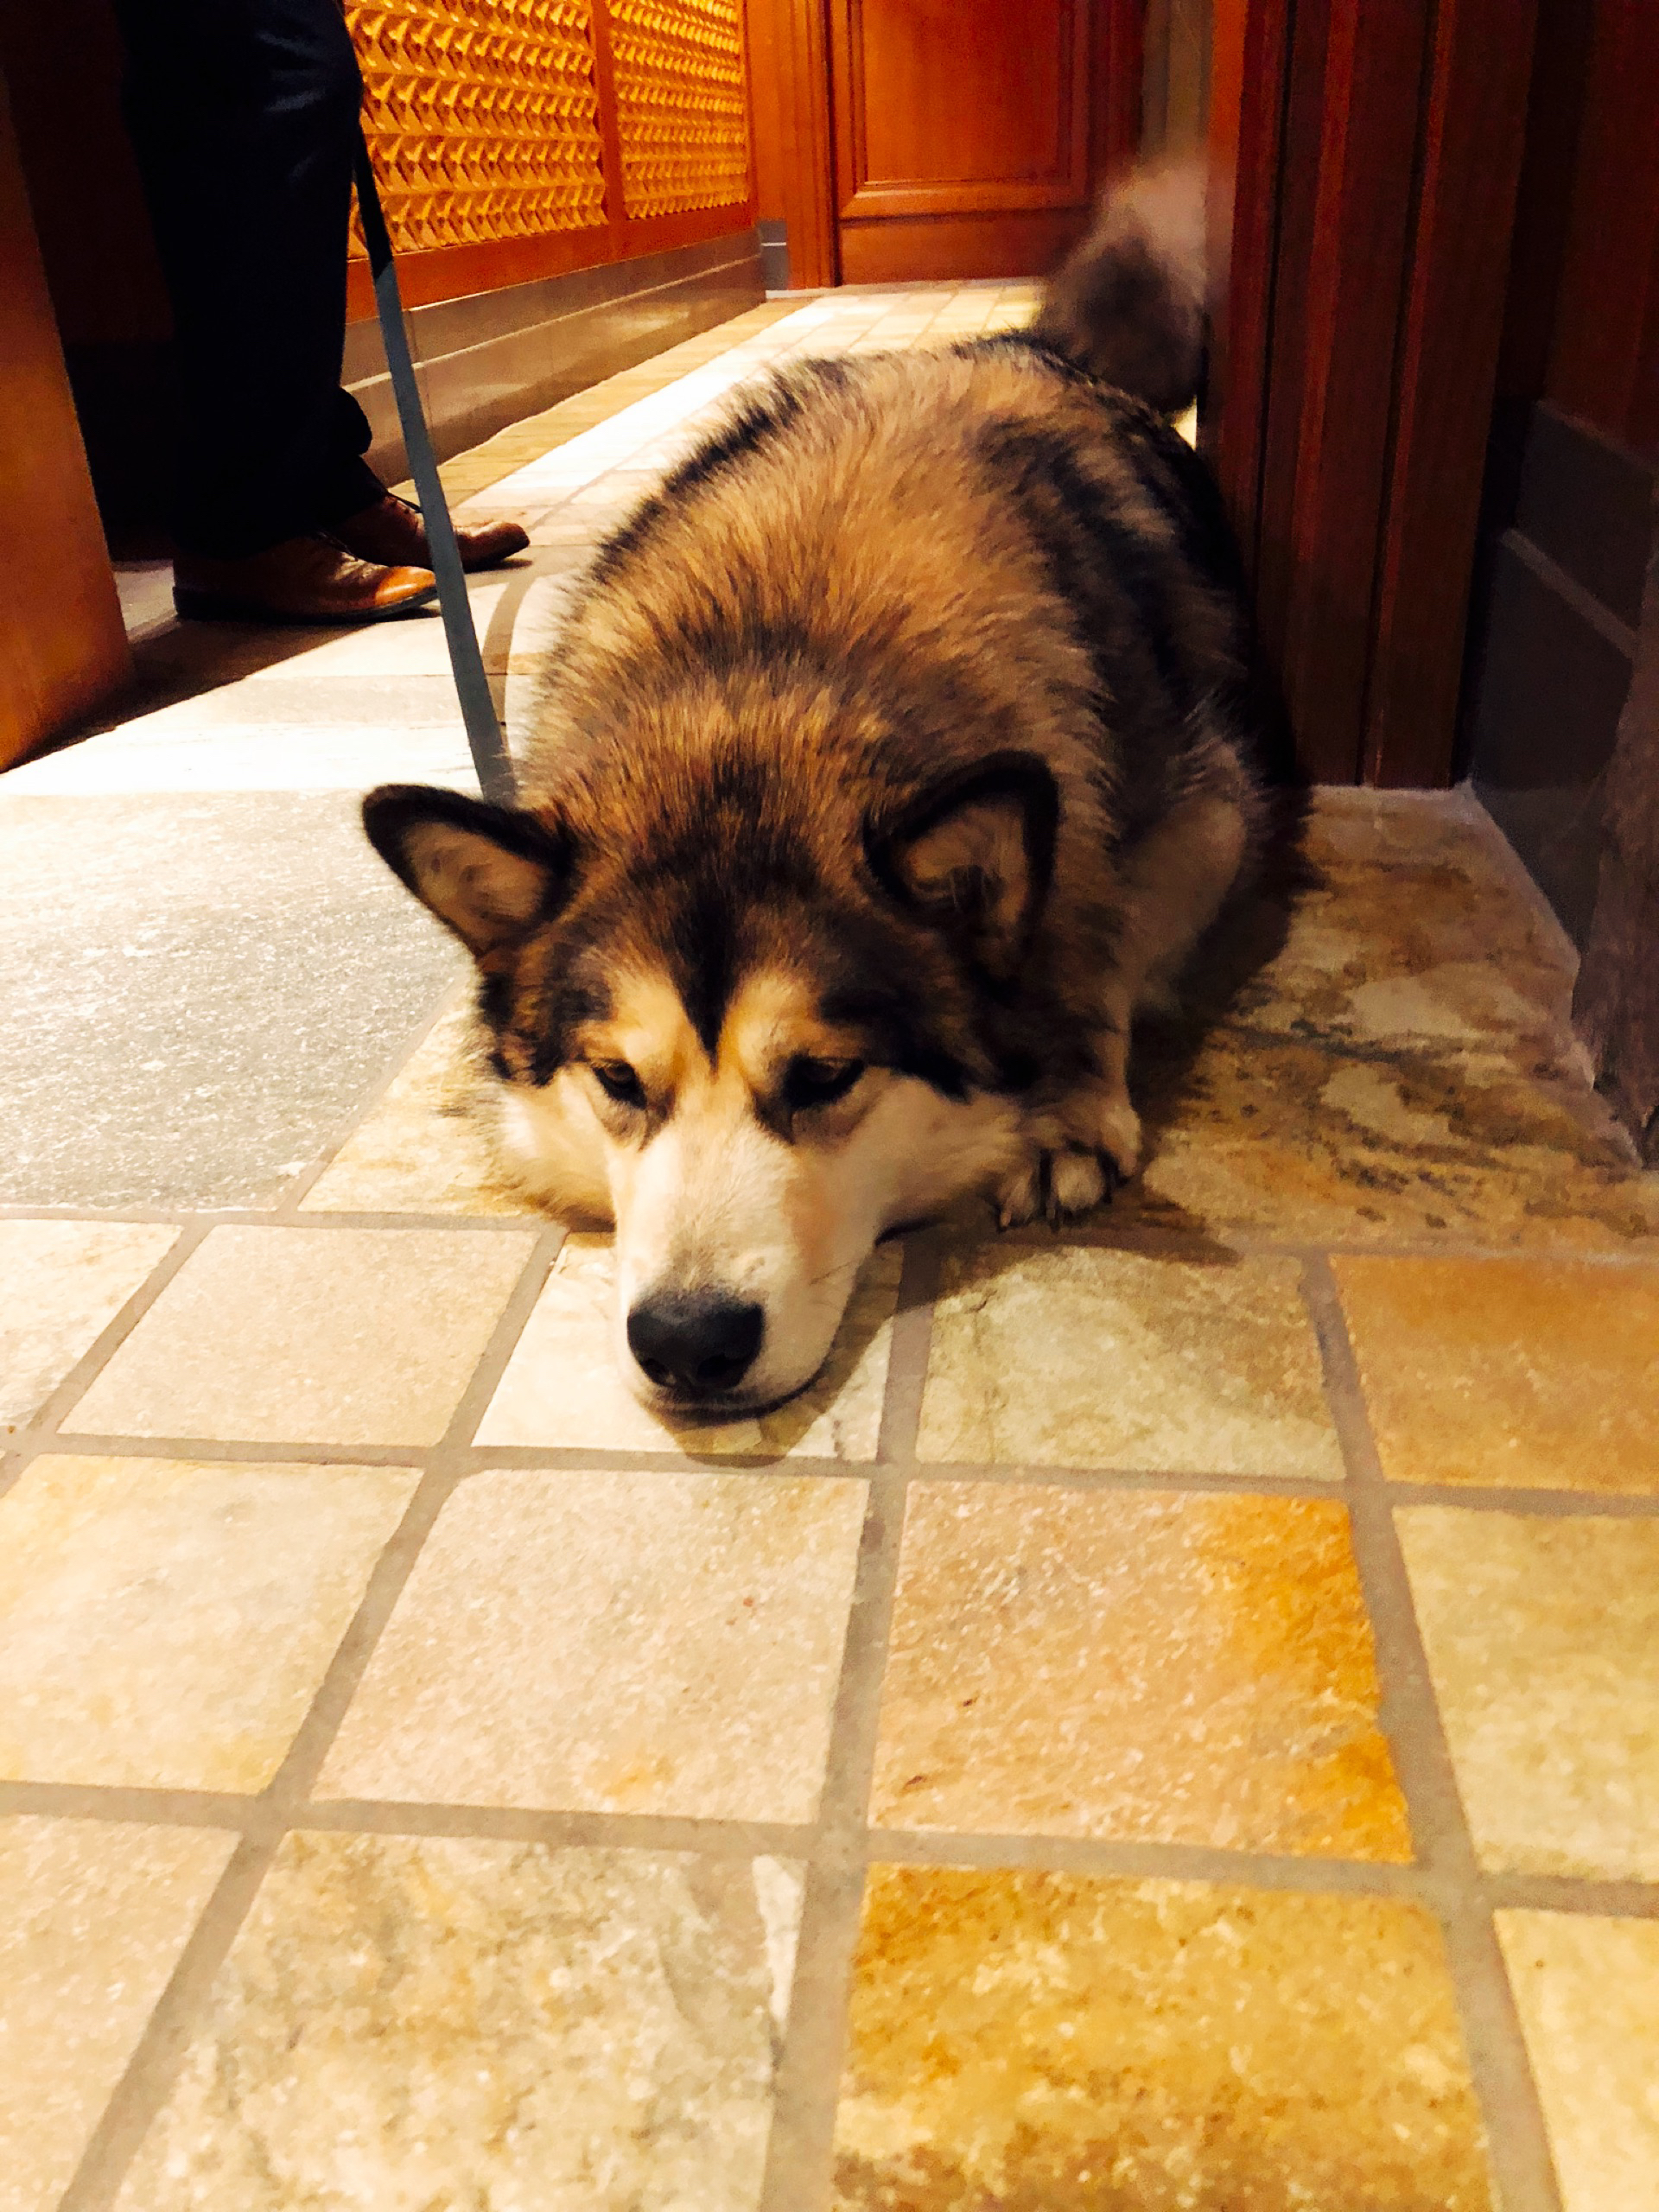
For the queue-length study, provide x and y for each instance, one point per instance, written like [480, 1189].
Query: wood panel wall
[1568, 514]
[904, 140]
[970, 138]
[62, 645]
[1375, 152]
[519, 139]
[1602, 359]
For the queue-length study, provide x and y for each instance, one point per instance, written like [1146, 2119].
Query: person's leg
[243, 114]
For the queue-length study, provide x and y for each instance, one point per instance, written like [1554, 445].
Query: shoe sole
[219, 606]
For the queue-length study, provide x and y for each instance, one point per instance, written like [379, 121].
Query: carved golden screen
[482, 117]
[682, 114]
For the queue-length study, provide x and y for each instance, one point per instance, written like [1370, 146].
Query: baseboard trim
[488, 360]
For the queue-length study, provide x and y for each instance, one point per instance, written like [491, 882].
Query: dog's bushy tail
[1128, 304]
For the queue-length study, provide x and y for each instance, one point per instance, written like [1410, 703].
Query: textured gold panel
[482, 117]
[681, 108]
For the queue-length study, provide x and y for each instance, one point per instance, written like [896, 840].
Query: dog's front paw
[1113, 1132]
[1055, 1185]
[1078, 1182]
[1018, 1198]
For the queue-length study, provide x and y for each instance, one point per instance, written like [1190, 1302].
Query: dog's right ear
[975, 853]
[490, 872]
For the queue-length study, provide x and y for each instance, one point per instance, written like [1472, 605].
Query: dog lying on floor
[893, 754]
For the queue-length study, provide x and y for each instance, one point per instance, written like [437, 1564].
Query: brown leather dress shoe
[302, 580]
[392, 530]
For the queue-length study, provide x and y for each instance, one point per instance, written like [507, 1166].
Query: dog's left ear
[975, 853]
[491, 873]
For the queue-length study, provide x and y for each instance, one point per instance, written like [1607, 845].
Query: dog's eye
[617, 1080]
[810, 1083]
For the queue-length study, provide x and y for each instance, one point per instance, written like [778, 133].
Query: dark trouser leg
[242, 114]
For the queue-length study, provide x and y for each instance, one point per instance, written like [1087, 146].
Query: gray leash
[490, 756]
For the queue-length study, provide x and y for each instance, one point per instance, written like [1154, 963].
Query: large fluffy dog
[892, 755]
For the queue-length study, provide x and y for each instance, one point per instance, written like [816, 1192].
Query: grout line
[266, 1216]
[1569, 1893]
[807, 2084]
[446, 1463]
[1145, 1862]
[580, 1459]
[41, 1429]
[722, 1839]
[1494, 1497]
[256, 1818]
[913, 1331]
[1517, 2144]
[495, 647]
[287, 1208]
[240, 1452]
[1221, 1246]
[149, 2078]
[150, 2072]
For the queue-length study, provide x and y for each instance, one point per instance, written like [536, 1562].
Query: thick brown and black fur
[896, 743]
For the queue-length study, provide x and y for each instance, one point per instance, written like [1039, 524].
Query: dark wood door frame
[794, 158]
[1367, 159]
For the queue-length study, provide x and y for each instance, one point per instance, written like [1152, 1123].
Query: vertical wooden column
[789, 79]
[1474, 134]
[1374, 152]
[1350, 138]
[62, 644]
[1249, 68]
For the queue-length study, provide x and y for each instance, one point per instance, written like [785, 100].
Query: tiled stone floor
[1169, 1723]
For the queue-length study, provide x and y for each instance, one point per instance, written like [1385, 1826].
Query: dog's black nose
[695, 1340]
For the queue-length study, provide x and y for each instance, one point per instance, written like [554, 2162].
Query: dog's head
[749, 1035]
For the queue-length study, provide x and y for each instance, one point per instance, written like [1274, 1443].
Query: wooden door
[970, 135]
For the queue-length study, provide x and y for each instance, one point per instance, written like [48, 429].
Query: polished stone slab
[165, 1624]
[407, 2024]
[1542, 1636]
[614, 1642]
[310, 1335]
[199, 989]
[1147, 1667]
[67, 1281]
[1053, 2043]
[93, 1915]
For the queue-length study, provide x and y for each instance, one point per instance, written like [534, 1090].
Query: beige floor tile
[165, 1624]
[1143, 1667]
[1543, 1640]
[410, 2022]
[1526, 1371]
[1293, 1138]
[425, 1148]
[310, 1335]
[93, 1916]
[1587, 1991]
[562, 1386]
[66, 1281]
[1039, 2040]
[1071, 1355]
[616, 1642]
[1402, 1066]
